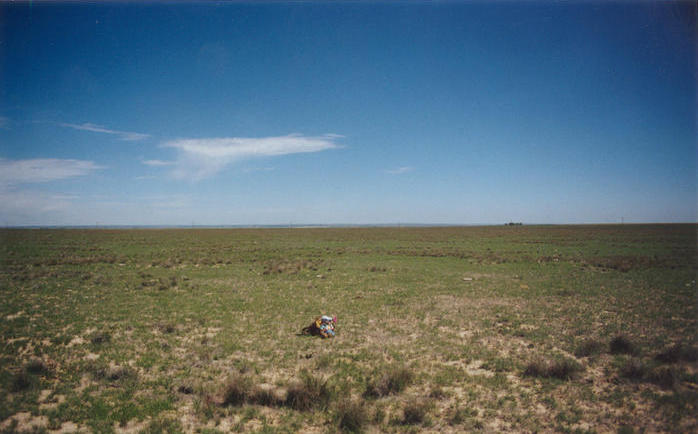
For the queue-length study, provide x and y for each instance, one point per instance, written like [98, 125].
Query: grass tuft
[666, 377]
[388, 383]
[351, 415]
[461, 415]
[634, 369]
[311, 392]
[562, 369]
[21, 381]
[678, 353]
[590, 347]
[415, 412]
[36, 367]
[237, 391]
[622, 345]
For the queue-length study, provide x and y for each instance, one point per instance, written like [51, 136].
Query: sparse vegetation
[100, 338]
[678, 353]
[309, 393]
[562, 369]
[351, 415]
[390, 381]
[186, 330]
[634, 369]
[589, 347]
[238, 390]
[415, 412]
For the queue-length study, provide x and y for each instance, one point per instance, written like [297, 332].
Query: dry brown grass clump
[351, 415]
[36, 366]
[415, 412]
[622, 345]
[637, 370]
[390, 382]
[21, 381]
[308, 393]
[588, 348]
[666, 377]
[562, 369]
[238, 391]
[634, 369]
[678, 353]
[290, 267]
[311, 392]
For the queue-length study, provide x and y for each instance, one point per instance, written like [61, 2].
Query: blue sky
[347, 112]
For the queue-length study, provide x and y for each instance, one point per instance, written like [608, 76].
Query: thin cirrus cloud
[158, 163]
[123, 135]
[399, 170]
[13, 172]
[202, 158]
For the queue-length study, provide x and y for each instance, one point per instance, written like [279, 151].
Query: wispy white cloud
[257, 169]
[31, 207]
[123, 135]
[158, 163]
[202, 158]
[399, 170]
[14, 172]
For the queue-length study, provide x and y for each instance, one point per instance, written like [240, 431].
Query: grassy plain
[543, 328]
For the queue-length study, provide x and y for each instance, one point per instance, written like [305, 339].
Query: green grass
[481, 328]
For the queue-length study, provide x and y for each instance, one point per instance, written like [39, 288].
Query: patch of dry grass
[310, 392]
[391, 381]
[589, 347]
[562, 369]
[351, 415]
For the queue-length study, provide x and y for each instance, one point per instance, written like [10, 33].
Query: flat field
[542, 328]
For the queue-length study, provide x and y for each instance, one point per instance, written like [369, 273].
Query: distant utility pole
[622, 220]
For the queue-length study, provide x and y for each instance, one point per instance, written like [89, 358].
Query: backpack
[322, 326]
